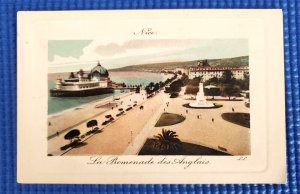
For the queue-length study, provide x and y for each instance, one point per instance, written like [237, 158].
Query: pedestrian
[186, 111]
[112, 108]
[232, 109]
[197, 116]
[57, 133]
[212, 120]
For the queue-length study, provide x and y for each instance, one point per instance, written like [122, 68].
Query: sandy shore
[79, 118]
[65, 120]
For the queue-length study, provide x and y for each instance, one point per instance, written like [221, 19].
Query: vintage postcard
[136, 96]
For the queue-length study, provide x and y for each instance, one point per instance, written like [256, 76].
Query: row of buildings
[204, 70]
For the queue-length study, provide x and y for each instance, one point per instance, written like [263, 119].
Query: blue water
[56, 104]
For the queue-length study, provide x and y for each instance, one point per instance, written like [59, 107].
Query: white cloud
[149, 51]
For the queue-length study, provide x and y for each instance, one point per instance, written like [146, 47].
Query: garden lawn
[167, 119]
[185, 149]
[238, 118]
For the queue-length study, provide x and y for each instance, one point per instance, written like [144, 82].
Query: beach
[65, 120]
[78, 117]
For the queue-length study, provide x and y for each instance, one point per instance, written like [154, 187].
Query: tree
[151, 85]
[184, 79]
[174, 95]
[230, 90]
[213, 81]
[195, 81]
[212, 92]
[92, 123]
[227, 77]
[167, 142]
[148, 90]
[244, 84]
[137, 89]
[175, 86]
[72, 134]
[156, 87]
[191, 89]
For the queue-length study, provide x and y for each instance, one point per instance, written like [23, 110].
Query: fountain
[201, 100]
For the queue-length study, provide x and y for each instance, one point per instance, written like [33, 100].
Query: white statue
[200, 99]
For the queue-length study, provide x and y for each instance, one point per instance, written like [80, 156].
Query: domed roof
[100, 69]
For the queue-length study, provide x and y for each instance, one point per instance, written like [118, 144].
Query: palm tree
[167, 142]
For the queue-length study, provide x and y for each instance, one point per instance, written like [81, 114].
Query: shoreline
[61, 122]
[55, 114]
[85, 105]
[75, 119]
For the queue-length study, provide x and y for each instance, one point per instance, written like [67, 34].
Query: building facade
[204, 70]
[83, 83]
[209, 72]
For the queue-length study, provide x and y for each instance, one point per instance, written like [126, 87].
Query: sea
[56, 104]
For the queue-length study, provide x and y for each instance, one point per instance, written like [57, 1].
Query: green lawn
[185, 149]
[167, 119]
[238, 118]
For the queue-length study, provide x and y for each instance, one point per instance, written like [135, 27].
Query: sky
[72, 55]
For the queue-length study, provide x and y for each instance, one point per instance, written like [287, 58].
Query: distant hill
[236, 61]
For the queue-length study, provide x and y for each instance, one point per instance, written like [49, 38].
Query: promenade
[128, 133]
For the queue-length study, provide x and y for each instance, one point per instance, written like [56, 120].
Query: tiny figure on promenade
[212, 120]
[198, 117]
[57, 133]
[232, 109]
[186, 111]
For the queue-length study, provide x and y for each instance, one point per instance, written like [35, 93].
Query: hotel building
[204, 70]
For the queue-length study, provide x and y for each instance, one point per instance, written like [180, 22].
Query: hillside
[236, 61]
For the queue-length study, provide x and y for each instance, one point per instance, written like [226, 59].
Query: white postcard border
[263, 29]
